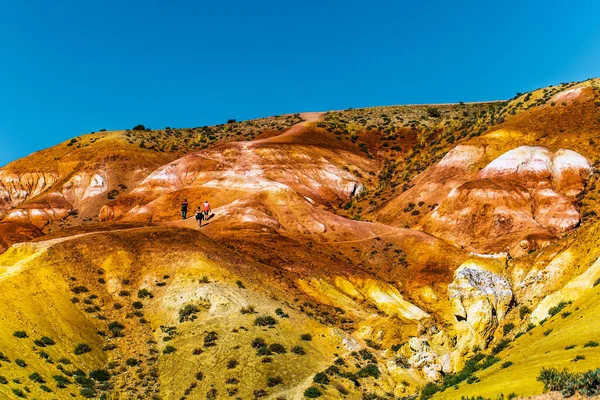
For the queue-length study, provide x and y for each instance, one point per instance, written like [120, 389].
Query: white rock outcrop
[479, 299]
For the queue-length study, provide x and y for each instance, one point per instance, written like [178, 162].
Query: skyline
[79, 68]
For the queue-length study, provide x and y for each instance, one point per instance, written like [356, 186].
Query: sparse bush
[523, 311]
[277, 348]
[81, 348]
[21, 363]
[37, 378]
[321, 377]
[138, 305]
[169, 350]
[20, 334]
[265, 320]
[100, 375]
[61, 381]
[307, 337]
[508, 328]
[433, 112]
[199, 376]
[557, 308]
[312, 392]
[258, 343]
[578, 358]
[144, 293]
[263, 351]
[298, 350]
[188, 312]
[240, 284]
[502, 344]
[274, 381]
[116, 328]
[369, 370]
[88, 392]
[210, 339]
[587, 383]
[109, 347]
[132, 362]
[231, 364]
[18, 392]
[248, 310]
[280, 313]
[3, 380]
[79, 289]
[506, 364]
[591, 343]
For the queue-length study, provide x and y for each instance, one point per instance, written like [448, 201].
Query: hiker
[206, 208]
[199, 216]
[184, 208]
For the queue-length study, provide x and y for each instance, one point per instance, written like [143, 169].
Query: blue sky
[70, 67]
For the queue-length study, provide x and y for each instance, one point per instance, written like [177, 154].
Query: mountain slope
[384, 252]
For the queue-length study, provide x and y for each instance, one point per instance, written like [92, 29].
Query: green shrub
[506, 364]
[280, 313]
[523, 311]
[18, 393]
[188, 312]
[210, 339]
[578, 358]
[116, 328]
[558, 308]
[79, 289]
[138, 305]
[132, 362]
[312, 392]
[248, 310]
[20, 334]
[274, 381]
[37, 378]
[61, 381]
[502, 344]
[45, 389]
[369, 370]
[298, 350]
[307, 337]
[263, 351]
[81, 348]
[277, 348]
[587, 383]
[3, 380]
[433, 112]
[144, 293]
[21, 363]
[231, 364]
[508, 328]
[169, 350]
[265, 320]
[591, 343]
[429, 390]
[100, 375]
[88, 392]
[258, 343]
[321, 377]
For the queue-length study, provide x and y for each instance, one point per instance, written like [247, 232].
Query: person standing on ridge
[206, 208]
[199, 216]
[184, 208]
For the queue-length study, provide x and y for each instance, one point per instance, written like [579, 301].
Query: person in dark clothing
[184, 208]
[199, 217]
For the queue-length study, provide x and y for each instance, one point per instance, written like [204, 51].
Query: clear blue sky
[70, 67]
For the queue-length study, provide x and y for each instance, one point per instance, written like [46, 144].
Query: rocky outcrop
[519, 202]
[479, 298]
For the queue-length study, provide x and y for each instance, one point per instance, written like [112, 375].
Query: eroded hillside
[391, 252]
